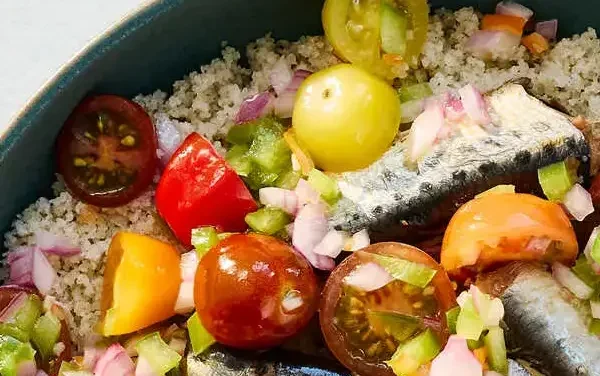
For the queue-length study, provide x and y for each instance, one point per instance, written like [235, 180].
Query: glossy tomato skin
[336, 338]
[142, 158]
[8, 292]
[198, 188]
[496, 228]
[240, 287]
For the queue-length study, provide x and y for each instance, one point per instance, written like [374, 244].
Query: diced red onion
[41, 372]
[487, 43]
[411, 109]
[462, 298]
[91, 355]
[281, 76]
[20, 262]
[114, 361]
[360, 240]
[569, 280]
[185, 298]
[280, 198]
[368, 277]
[13, 307]
[578, 201]
[510, 8]
[27, 368]
[43, 273]
[283, 105]
[456, 358]
[538, 245]
[453, 108]
[310, 227]
[55, 244]
[588, 250]
[474, 104]
[491, 310]
[425, 129]
[178, 345]
[143, 368]
[169, 137]
[492, 373]
[547, 29]
[292, 301]
[306, 194]
[595, 306]
[254, 107]
[332, 244]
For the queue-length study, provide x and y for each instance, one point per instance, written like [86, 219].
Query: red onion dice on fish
[474, 104]
[114, 361]
[570, 281]
[578, 202]
[185, 298]
[310, 227]
[283, 199]
[425, 129]
[368, 277]
[457, 359]
[332, 244]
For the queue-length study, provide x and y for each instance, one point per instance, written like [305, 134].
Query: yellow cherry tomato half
[141, 282]
[345, 117]
[497, 228]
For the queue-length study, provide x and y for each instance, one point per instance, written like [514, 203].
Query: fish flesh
[393, 201]
[220, 361]
[546, 324]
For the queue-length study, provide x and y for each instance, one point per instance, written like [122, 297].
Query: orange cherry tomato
[503, 227]
[502, 22]
[253, 291]
[141, 283]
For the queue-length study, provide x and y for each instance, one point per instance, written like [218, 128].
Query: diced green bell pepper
[496, 350]
[326, 186]
[414, 92]
[469, 325]
[288, 179]
[406, 271]
[238, 159]
[411, 355]
[393, 27]
[203, 239]
[20, 324]
[199, 336]
[452, 318]
[45, 334]
[159, 355]
[13, 353]
[556, 180]
[268, 220]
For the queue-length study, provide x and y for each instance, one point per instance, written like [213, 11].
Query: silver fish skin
[524, 136]
[546, 325]
[219, 361]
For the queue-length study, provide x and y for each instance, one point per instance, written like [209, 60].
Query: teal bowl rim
[137, 18]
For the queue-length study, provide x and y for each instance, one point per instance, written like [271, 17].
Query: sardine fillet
[525, 135]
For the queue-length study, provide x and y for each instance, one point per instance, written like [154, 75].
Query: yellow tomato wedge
[141, 282]
[535, 43]
[503, 227]
[501, 22]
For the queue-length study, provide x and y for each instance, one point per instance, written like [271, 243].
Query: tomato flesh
[503, 227]
[253, 291]
[107, 151]
[198, 188]
[353, 333]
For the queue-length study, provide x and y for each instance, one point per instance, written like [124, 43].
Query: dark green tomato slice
[106, 151]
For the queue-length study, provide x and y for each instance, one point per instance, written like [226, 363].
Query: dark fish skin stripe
[219, 361]
[393, 201]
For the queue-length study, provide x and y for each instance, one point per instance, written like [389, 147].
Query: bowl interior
[159, 44]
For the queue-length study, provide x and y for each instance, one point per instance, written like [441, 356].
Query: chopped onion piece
[587, 251]
[185, 298]
[41, 372]
[280, 198]
[306, 194]
[20, 262]
[578, 201]
[55, 244]
[595, 306]
[332, 244]
[91, 354]
[169, 137]
[492, 373]
[491, 310]
[114, 361]
[143, 368]
[27, 368]
[510, 8]
[462, 298]
[424, 130]
[569, 280]
[547, 29]
[43, 273]
[457, 358]
[281, 76]
[538, 245]
[310, 227]
[453, 108]
[487, 43]
[283, 106]
[254, 107]
[474, 104]
[360, 240]
[178, 345]
[368, 277]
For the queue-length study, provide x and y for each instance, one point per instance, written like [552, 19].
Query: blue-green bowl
[158, 44]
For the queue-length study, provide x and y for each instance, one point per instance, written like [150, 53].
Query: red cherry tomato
[595, 190]
[253, 291]
[8, 292]
[198, 188]
[351, 320]
[106, 151]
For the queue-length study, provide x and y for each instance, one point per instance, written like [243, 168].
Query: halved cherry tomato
[141, 283]
[253, 291]
[106, 151]
[8, 292]
[348, 317]
[353, 29]
[502, 22]
[503, 227]
[198, 188]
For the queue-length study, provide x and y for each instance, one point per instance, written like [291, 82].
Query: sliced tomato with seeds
[364, 329]
[106, 151]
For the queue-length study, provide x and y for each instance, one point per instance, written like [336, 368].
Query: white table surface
[38, 36]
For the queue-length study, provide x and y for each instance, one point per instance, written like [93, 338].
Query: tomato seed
[128, 140]
[79, 162]
[100, 180]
